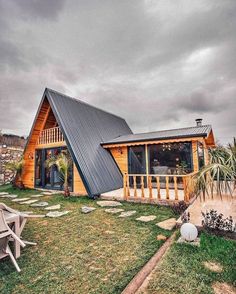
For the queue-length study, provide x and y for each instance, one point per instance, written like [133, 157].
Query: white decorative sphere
[188, 232]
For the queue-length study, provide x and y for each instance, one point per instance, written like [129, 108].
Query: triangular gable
[84, 128]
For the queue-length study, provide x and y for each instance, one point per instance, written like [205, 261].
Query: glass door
[137, 162]
[50, 178]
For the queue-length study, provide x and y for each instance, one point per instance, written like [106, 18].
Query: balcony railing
[159, 187]
[49, 136]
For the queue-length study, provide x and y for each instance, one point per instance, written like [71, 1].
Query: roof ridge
[81, 101]
[166, 130]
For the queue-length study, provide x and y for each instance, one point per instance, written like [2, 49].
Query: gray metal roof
[84, 128]
[197, 131]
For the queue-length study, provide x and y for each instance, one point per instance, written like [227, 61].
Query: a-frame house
[106, 154]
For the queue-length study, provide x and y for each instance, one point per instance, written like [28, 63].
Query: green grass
[182, 270]
[81, 253]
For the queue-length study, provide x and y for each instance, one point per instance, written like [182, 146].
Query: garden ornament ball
[188, 232]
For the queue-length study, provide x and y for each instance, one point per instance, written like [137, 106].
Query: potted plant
[63, 162]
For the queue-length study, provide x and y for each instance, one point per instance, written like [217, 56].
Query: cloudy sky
[158, 64]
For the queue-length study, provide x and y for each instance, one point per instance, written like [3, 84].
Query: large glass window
[137, 162]
[170, 158]
[49, 178]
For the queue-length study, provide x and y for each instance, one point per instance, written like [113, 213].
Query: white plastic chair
[5, 234]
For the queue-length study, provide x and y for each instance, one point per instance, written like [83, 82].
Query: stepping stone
[168, 224]
[36, 215]
[127, 213]
[26, 212]
[3, 194]
[53, 207]
[161, 237]
[20, 199]
[196, 242]
[38, 195]
[40, 204]
[108, 203]
[11, 196]
[146, 218]
[87, 209]
[114, 210]
[29, 201]
[213, 266]
[220, 288]
[57, 213]
[109, 232]
[47, 193]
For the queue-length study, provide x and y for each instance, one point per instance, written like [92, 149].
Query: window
[170, 158]
[137, 162]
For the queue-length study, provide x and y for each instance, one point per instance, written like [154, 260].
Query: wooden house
[107, 156]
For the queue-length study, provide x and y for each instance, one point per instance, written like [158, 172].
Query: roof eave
[203, 135]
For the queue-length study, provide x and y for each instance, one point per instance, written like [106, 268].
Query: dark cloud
[159, 64]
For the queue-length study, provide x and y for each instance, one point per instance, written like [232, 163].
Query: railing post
[186, 193]
[176, 188]
[167, 188]
[158, 188]
[150, 186]
[124, 186]
[142, 188]
[135, 187]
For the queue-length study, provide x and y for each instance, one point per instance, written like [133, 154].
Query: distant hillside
[12, 140]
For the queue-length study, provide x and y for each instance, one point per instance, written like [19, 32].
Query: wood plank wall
[120, 155]
[79, 188]
[29, 155]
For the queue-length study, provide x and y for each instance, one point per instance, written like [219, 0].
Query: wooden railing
[158, 187]
[48, 136]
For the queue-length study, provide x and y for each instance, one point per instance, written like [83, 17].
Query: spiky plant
[218, 175]
[63, 162]
[16, 167]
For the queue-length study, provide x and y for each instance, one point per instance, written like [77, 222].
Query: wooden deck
[119, 195]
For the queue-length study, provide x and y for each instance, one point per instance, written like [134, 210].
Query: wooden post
[167, 188]
[128, 190]
[135, 187]
[158, 188]
[142, 187]
[150, 186]
[186, 195]
[124, 186]
[176, 188]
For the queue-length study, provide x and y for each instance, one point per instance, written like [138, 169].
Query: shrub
[214, 221]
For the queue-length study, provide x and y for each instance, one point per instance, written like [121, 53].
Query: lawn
[182, 270]
[81, 253]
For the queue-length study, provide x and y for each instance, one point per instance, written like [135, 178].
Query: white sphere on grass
[188, 232]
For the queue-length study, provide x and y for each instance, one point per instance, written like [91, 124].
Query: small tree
[16, 167]
[220, 173]
[63, 162]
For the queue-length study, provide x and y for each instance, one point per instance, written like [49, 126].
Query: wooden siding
[195, 156]
[79, 188]
[29, 154]
[121, 157]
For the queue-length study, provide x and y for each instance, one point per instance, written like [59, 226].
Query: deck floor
[118, 194]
